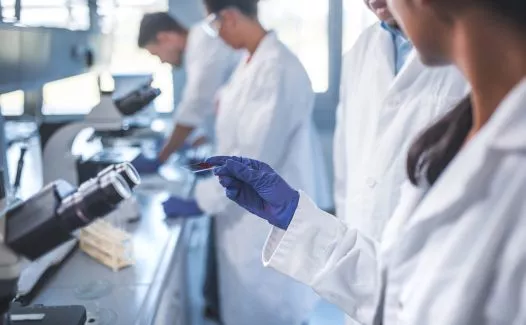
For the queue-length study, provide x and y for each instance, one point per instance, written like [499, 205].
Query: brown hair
[153, 23]
[247, 7]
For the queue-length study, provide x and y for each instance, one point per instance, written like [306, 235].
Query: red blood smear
[200, 166]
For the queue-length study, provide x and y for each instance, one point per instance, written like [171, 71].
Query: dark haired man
[208, 62]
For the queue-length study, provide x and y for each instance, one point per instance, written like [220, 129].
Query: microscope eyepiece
[115, 188]
[137, 100]
[94, 199]
[126, 171]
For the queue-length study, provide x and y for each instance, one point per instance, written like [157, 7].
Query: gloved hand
[176, 207]
[146, 165]
[257, 188]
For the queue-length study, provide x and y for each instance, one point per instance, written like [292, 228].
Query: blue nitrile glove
[257, 188]
[176, 207]
[146, 165]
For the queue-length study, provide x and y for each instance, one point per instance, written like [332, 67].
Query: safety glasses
[212, 25]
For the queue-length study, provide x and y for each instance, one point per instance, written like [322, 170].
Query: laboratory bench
[152, 291]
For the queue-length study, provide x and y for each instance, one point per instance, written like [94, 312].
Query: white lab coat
[209, 63]
[265, 113]
[451, 255]
[378, 117]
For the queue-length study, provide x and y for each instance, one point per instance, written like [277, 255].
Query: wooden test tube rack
[107, 244]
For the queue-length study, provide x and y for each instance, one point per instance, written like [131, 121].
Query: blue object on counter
[146, 165]
[176, 207]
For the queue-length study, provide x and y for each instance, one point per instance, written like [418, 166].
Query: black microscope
[36, 226]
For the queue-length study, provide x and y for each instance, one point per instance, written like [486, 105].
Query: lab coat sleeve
[209, 62]
[339, 263]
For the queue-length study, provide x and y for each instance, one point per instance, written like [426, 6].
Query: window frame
[34, 108]
[325, 102]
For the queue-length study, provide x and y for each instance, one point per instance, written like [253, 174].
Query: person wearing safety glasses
[208, 63]
[264, 111]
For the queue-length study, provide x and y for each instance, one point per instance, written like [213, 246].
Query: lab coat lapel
[385, 56]
[394, 101]
[504, 132]
[408, 74]
[250, 64]
[410, 70]
[510, 134]
[247, 68]
[362, 136]
[240, 84]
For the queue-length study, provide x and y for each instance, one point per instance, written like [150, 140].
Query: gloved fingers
[252, 163]
[234, 168]
[232, 186]
[264, 167]
[242, 160]
[221, 160]
[241, 172]
[222, 171]
[218, 160]
[232, 193]
[227, 181]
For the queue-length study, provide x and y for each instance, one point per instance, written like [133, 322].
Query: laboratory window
[303, 26]
[127, 58]
[12, 104]
[121, 18]
[73, 14]
[356, 18]
[75, 95]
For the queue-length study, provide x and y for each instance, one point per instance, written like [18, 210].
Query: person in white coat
[264, 111]
[453, 253]
[208, 62]
[387, 98]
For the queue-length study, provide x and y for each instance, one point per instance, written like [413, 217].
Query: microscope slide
[200, 167]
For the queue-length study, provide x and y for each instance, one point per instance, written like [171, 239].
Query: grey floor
[324, 314]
